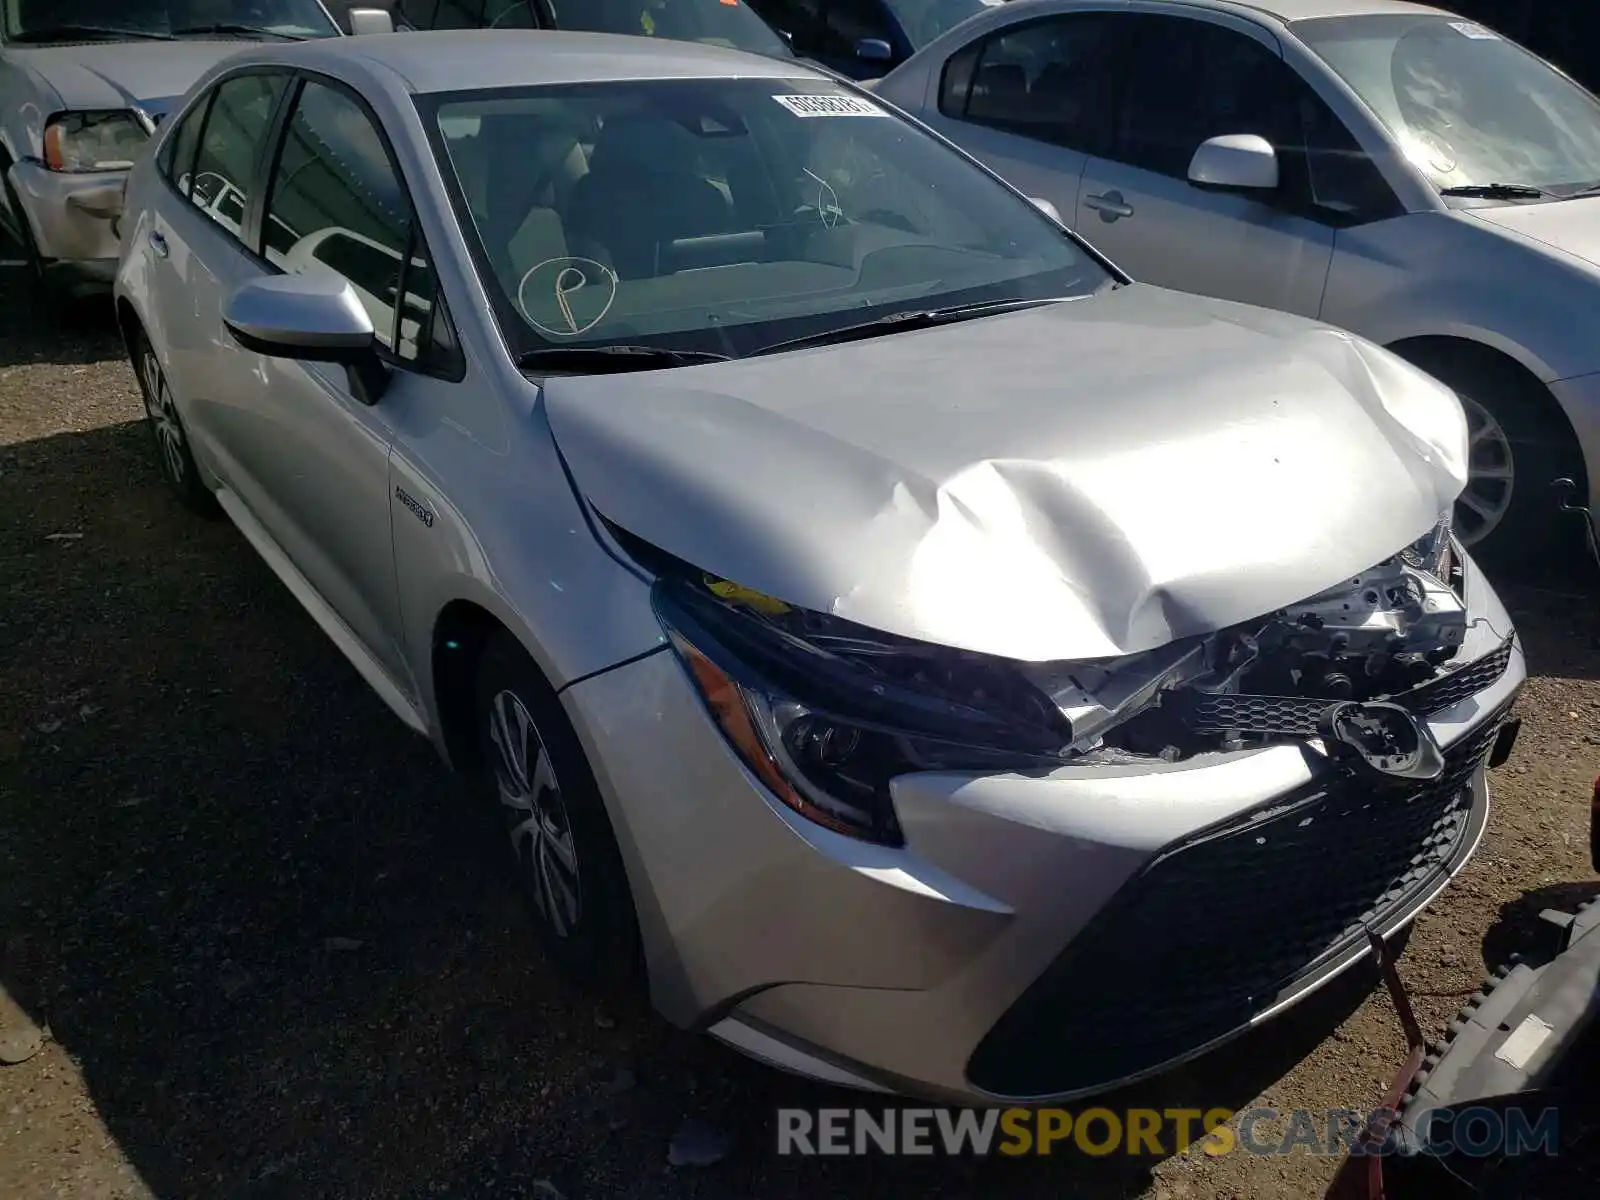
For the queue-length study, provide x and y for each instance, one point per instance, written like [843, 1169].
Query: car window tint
[1341, 177]
[459, 14]
[418, 13]
[1048, 79]
[1189, 81]
[847, 23]
[509, 14]
[800, 19]
[177, 154]
[230, 146]
[337, 206]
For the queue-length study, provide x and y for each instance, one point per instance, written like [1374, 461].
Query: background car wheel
[558, 838]
[51, 298]
[1508, 515]
[172, 443]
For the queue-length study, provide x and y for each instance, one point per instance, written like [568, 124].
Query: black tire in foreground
[560, 842]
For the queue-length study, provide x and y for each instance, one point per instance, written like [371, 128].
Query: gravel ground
[252, 916]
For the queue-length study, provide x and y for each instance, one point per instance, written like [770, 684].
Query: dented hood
[1081, 480]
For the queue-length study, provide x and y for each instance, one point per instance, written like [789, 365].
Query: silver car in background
[83, 85]
[943, 665]
[1389, 168]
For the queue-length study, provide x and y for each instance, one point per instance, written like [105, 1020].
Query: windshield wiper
[224, 27]
[1497, 191]
[602, 359]
[896, 322]
[71, 33]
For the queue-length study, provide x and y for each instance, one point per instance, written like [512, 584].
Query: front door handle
[158, 244]
[1110, 205]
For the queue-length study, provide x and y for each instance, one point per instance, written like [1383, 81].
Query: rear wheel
[558, 838]
[1519, 444]
[173, 456]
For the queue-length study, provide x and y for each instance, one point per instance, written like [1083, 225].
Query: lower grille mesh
[1213, 932]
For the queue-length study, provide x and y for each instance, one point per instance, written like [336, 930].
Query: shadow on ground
[255, 910]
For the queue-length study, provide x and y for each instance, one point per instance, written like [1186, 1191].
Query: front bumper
[72, 218]
[1040, 936]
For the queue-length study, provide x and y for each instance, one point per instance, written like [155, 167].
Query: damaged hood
[1081, 480]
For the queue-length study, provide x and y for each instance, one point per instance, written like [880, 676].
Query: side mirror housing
[309, 318]
[1048, 209]
[874, 50]
[357, 17]
[1235, 162]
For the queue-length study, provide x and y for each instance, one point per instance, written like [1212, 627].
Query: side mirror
[357, 17]
[1235, 162]
[1048, 209]
[874, 50]
[310, 318]
[370, 20]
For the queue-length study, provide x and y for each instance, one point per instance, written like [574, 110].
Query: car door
[1033, 101]
[195, 256]
[335, 205]
[1187, 79]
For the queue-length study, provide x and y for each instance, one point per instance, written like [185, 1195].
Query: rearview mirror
[1235, 162]
[310, 318]
[874, 50]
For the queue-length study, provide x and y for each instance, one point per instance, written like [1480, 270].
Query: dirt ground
[250, 913]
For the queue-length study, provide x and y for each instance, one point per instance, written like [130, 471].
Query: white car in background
[1385, 167]
[83, 86]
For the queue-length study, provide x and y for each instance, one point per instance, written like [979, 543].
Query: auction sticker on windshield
[1476, 32]
[830, 106]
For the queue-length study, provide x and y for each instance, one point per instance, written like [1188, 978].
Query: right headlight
[94, 141]
[825, 712]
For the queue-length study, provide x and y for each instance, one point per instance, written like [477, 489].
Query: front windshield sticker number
[576, 292]
[1476, 32]
[828, 210]
[830, 106]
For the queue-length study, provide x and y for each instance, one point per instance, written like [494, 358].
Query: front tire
[558, 839]
[173, 456]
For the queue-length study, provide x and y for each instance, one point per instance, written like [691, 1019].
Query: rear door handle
[1110, 205]
[158, 244]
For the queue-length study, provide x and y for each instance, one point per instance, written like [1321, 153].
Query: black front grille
[1215, 931]
[1299, 715]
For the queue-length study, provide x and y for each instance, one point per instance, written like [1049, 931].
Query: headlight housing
[825, 712]
[94, 141]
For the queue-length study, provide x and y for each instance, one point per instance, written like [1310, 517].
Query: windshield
[1467, 107]
[924, 20]
[76, 20]
[715, 22]
[728, 215]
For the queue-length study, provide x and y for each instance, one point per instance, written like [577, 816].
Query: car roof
[471, 59]
[1279, 10]
[1303, 10]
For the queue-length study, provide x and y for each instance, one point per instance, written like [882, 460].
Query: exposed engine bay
[1345, 655]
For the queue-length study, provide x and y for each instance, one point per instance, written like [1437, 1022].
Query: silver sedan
[936, 662]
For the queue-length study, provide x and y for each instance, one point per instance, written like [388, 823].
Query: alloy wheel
[1491, 475]
[163, 410]
[535, 813]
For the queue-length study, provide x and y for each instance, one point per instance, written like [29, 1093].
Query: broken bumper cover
[1039, 936]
